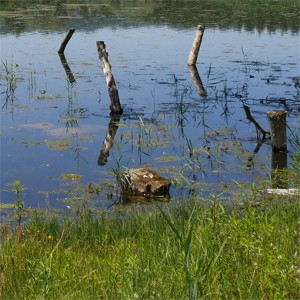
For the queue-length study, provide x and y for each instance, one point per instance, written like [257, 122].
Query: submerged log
[145, 182]
[196, 45]
[115, 106]
[65, 41]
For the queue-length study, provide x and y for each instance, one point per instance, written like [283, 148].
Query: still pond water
[53, 130]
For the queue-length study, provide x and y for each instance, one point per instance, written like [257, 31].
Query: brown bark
[65, 41]
[145, 182]
[196, 45]
[277, 121]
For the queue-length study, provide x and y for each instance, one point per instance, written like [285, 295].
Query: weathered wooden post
[196, 45]
[115, 106]
[65, 41]
[277, 121]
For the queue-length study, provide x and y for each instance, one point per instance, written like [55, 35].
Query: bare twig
[251, 119]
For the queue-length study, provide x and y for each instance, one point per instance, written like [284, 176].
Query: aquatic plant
[19, 207]
[11, 82]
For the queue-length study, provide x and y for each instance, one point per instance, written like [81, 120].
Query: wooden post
[65, 41]
[196, 45]
[115, 106]
[277, 121]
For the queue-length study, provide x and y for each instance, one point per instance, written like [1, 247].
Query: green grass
[186, 251]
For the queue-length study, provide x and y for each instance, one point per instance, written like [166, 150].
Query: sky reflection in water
[149, 64]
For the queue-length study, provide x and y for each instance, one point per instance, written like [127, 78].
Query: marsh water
[54, 126]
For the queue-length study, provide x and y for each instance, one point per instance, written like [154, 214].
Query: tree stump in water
[145, 182]
[277, 120]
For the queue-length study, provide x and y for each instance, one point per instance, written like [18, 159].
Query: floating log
[65, 41]
[144, 182]
[196, 45]
[277, 121]
[115, 106]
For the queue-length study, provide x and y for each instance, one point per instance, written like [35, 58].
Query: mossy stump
[146, 183]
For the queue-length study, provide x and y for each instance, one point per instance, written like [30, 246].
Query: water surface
[201, 140]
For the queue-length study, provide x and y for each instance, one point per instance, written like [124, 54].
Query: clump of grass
[175, 252]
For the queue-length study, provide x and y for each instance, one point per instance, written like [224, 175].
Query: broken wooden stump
[277, 121]
[115, 106]
[146, 183]
[65, 41]
[196, 45]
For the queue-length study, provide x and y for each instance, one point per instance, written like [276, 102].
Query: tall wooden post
[196, 45]
[115, 106]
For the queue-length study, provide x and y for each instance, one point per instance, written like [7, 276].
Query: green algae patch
[61, 144]
[71, 176]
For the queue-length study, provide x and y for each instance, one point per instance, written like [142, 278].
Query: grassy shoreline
[186, 251]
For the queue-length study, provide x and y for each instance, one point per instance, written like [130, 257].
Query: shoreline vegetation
[182, 251]
[17, 16]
